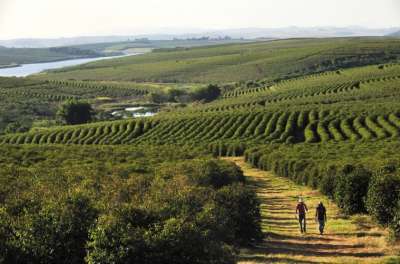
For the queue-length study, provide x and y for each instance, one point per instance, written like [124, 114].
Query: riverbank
[14, 65]
[24, 70]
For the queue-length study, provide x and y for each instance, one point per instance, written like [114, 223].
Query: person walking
[301, 210]
[320, 217]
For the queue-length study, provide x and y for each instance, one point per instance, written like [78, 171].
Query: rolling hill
[15, 56]
[349, 105]
[395, 34]
[239, 62]
[322, 113]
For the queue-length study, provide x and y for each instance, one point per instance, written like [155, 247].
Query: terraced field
[322, 113]
[357, 85]
[257, 127]
[270, 60]
[360, 104]
[54, 90]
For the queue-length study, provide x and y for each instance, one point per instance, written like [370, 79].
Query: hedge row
[358, 177]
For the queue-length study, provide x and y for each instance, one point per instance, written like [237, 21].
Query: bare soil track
[354, 239]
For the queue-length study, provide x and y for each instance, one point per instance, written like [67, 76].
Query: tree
[157, 97]
[207, 94]
[174, 94]
[16, 127]
[75, 112]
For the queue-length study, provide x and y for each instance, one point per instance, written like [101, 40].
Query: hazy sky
[57, 18]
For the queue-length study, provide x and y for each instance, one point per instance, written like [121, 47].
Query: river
[28, 69]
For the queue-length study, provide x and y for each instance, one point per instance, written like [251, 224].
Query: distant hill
[15, 56]
[169, 34]
[238, 62]
[395, 34]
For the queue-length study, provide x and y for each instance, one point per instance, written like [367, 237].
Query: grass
[354, 239]
[239, 62]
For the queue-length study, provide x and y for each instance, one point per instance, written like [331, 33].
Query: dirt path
[347, 240]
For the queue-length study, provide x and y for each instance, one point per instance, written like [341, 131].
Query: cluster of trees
[358, 177]
[120, 205]
[75, 51]
[74, 112]
[204, 94]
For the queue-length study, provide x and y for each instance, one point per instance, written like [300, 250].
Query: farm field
[24, 100]
[318, 118]
[97, 201]
[146, 45]
[240, 62]
[332, 106]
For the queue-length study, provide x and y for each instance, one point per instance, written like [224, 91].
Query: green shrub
[58, 232]
[239, 209]
[75, 112]
[209, 93]
[351, 190]
[133, 235]
[383, 195]
[395, 224]
[327, 185]
[7, 253]
[209, 172]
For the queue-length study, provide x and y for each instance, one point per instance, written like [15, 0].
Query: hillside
[317, 118]
[235, 33]
[24, 101]
[15, 56]
[141, 45]
[355, 104]
[239, 62]
[395, 34]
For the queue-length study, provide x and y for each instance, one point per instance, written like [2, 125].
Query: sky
[67, 18]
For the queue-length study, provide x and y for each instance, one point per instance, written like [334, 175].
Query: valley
[197, 154]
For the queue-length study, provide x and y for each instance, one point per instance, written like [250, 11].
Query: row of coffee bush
[102, 204]
[360, 178]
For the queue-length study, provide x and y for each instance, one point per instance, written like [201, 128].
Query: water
[138, 111]
[28, 69]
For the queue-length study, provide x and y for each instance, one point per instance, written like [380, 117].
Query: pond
[137, 111]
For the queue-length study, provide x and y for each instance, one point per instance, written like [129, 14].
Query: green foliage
[272, 60]
[207, 94]
[157, 97]
[58, 232]
[74, 112]
[244, 223]
[15, 127]
[343, 171]
[383, 197]
[328, 182]
[211, 173]
[72, 204]
[395, 223]
[140, 240]
[351, 190]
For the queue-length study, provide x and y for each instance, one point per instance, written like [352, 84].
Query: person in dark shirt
[301, 210]
[320, 217]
